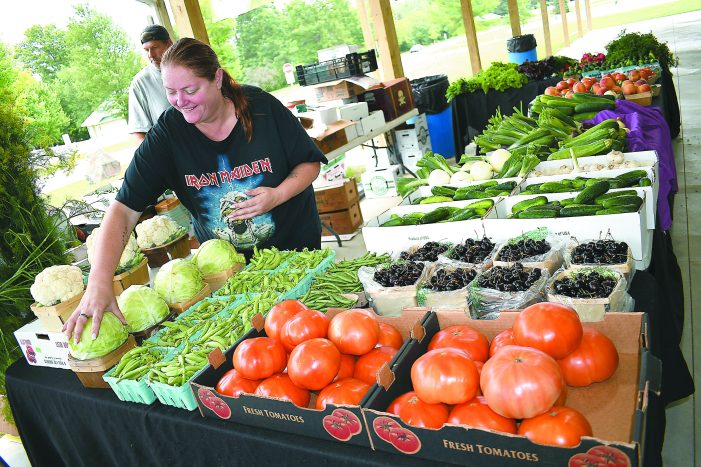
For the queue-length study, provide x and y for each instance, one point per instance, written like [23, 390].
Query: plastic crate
[353, 64]
[129, 390]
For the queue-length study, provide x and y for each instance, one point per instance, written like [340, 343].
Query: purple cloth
[649, 131]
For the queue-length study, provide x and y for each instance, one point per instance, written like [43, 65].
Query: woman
[237, 159]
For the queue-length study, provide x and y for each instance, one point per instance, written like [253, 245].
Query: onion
[481, 171]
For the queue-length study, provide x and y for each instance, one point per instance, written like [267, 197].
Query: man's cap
[155, 32]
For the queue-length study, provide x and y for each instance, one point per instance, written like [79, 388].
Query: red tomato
[477, 413]
[281, 386]
[595, 360]
[390, 336]
[305, 325]
[521, 382]
[367, 365]
[553, 328]
[445, 375]
[349, 391]
[465, 338]
[354, 332]
[279, 314]
[603, 456]
[233, 384]
[559, 426]
[259, 357]
[479, 366]
[418, 413]
[313, 364]
[504, 338]
[347, 367]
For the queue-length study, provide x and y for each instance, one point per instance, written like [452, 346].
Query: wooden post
[386, 35]
[188, 19]
[365, 24]
[163, 19]
[565, 30]
[587, 9]
[546, 28]
[580, 32]
[514, 18]
[468, 20]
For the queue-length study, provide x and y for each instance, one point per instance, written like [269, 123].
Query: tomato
[479, 366]
[600, 456]
[465, 338]
[553, 328]
[367, 365]
[347, 367]
[445, 375]
[501, 340]
[259, 358]
[305, 325]
[476, 413]
[280, 314]
[595, 360]
[233, 384]
[559, 426]
[313, 364]
[349, 391]
[281, 386]
[354, 332]
[521, 382]
[390, 336]
[418, 413]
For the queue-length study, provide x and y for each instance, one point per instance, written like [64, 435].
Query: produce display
[586, 283]
[429, 251]
[57, 284]
[611, 84]
[216, 255]
[267, 259]
[514, 278]
[472, 251]
[131, 255]
[444, 280]
[474, 210]
[112, 335]
[243, 282]
[445, 194]
[499, 76]
[542, 69]
[308, 259]
[522, 249]
[613, 160]
[136, 363]
[142, 307]
[399, 274]
[600, 252]
[178, 281]
[157, 231]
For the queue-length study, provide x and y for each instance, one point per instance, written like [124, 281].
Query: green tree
[46, 118]
[221, 38]
[260, 39]
[43, 50]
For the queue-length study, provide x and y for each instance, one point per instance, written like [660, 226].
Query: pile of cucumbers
[594, 199]
[474, 210]
[600, 139]
[444, 194]
[630, 179]
[582, 106]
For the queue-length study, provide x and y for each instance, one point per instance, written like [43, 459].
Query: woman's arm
[263, 199]
[99, 296]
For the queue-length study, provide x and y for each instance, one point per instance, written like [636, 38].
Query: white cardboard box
[414, 139]
[384, 160]
[373, 121]
[337, 51]
[381, 183]
[332, 172]
[43, 348]
[353, 112]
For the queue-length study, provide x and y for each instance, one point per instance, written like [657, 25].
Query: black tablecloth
[668, 103]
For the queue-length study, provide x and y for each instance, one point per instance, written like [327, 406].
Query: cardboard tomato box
[616, 408]
[280, 415]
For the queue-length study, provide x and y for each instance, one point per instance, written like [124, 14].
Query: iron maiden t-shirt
[209, 177]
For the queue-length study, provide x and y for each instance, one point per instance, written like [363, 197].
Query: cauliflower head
[156, 231]
[130, 250]
[57, 284]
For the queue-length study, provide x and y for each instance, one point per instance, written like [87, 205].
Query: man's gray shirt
[147, 100]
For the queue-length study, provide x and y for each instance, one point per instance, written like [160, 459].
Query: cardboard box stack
[413, 143]
[339, 208]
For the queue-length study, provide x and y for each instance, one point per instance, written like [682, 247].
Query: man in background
[147, 97]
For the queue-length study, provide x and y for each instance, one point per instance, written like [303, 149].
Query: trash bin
[522, 48]
[429, 97]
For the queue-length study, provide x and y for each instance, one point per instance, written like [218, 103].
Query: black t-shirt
[210, 176]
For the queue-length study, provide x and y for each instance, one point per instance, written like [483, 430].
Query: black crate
[356, 63]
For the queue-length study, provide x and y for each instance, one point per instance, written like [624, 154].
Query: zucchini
[535, 134]
[443, 191]
[614, 194]
[590, 137]
[589, 97]
[436, 199]
[565, 109]
[580, 117]
[484, 204]
[626, 208]
[555, 112]
[536, 214]
[555, 100]
[622, 201]
[527, 203]
[585, 107]
[576, 210]
[585, 150]
[436, 215]
[589, 194]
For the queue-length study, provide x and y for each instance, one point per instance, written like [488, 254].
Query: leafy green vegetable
[142, 307]
[216, 255]
[178, 281]
[112, 334]
[634, 48]
[499, 76]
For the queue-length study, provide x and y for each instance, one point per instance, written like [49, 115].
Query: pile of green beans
[222, 332]
[268, 259]
[136, 363]
[176, 333]
[322, 300]
[283, 281]
[182, 366]
[342, 277]
[206, 309]
[260, 304]
[308, 259]
[243, 282]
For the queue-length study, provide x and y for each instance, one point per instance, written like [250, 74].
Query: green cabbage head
[112, 334]
[216, 255]
[178, 281]
[142, 307]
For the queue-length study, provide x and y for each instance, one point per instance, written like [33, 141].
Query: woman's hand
[262, 200]
[96, 301]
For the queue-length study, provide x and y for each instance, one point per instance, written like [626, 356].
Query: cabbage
[112, 334]
[142, 307]
[178, 281]
[216, 255]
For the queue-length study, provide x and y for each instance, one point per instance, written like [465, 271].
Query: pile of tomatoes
[521, 376]
[634, 82]
[305, 351]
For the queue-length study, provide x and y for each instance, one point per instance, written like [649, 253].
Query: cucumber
[589, 194]
[505, 186]
[589, 97]
[622, 201]
[584, 116]
[462, 215]
[579, 183]
[632, 175]
[555, 187]
[565, 109]
[544, 207]
[576, 210]
[484, 204]
[537, 214]
[443, 191]
[626, 208]
[645, 182]
[436, 199]
[617, 183]
[566, 202]
[476, 194]
[410, 220]
[418, 199]
[436, 215]
[527, 203]
[395, 221]
[586, 107]
[591, 181]
[555, 100]
[614, 194]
